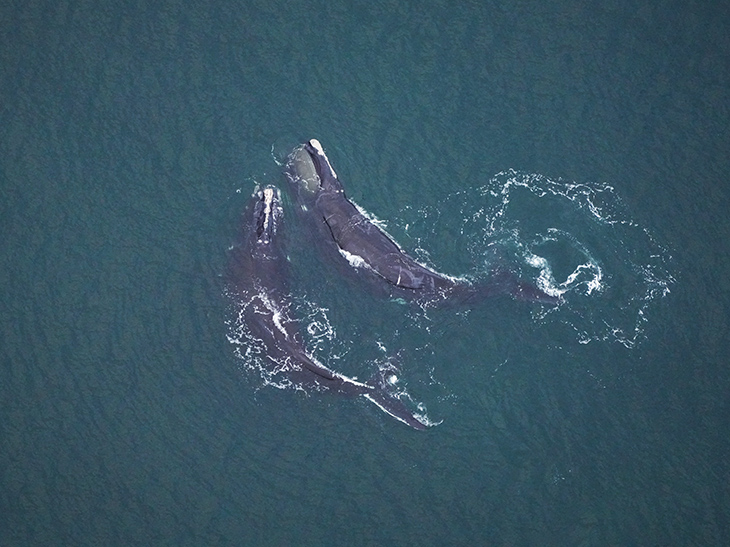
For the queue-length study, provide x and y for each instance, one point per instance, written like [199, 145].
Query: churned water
[583, 145]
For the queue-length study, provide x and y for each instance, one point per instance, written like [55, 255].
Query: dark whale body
[363, 244]
[260, 286]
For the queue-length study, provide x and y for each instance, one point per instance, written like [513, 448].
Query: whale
[260, 289]
[363, 245]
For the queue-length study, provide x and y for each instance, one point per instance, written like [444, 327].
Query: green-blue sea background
[132, 135]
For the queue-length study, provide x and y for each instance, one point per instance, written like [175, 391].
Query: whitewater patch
[574, 240]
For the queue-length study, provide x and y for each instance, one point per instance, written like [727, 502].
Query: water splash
[574, 240]
[255, 359]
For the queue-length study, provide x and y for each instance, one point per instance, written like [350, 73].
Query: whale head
[321, 162]
[310, 170]
[302, 172]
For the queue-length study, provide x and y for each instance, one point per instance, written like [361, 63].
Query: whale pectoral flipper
[319, 370]
[394, 407]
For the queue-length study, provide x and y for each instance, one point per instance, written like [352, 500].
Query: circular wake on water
[573, 240]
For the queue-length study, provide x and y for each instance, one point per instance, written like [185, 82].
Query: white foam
[381, 224]
[545, 281]
[355, 261]
[582, 230]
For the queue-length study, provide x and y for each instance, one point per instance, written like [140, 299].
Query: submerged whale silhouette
[260, 286]
[364, 245]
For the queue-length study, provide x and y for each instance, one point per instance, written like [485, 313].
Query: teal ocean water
[586, 145]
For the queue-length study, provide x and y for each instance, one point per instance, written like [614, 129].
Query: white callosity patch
[273, 211]
[268, 198]
[320, 151]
